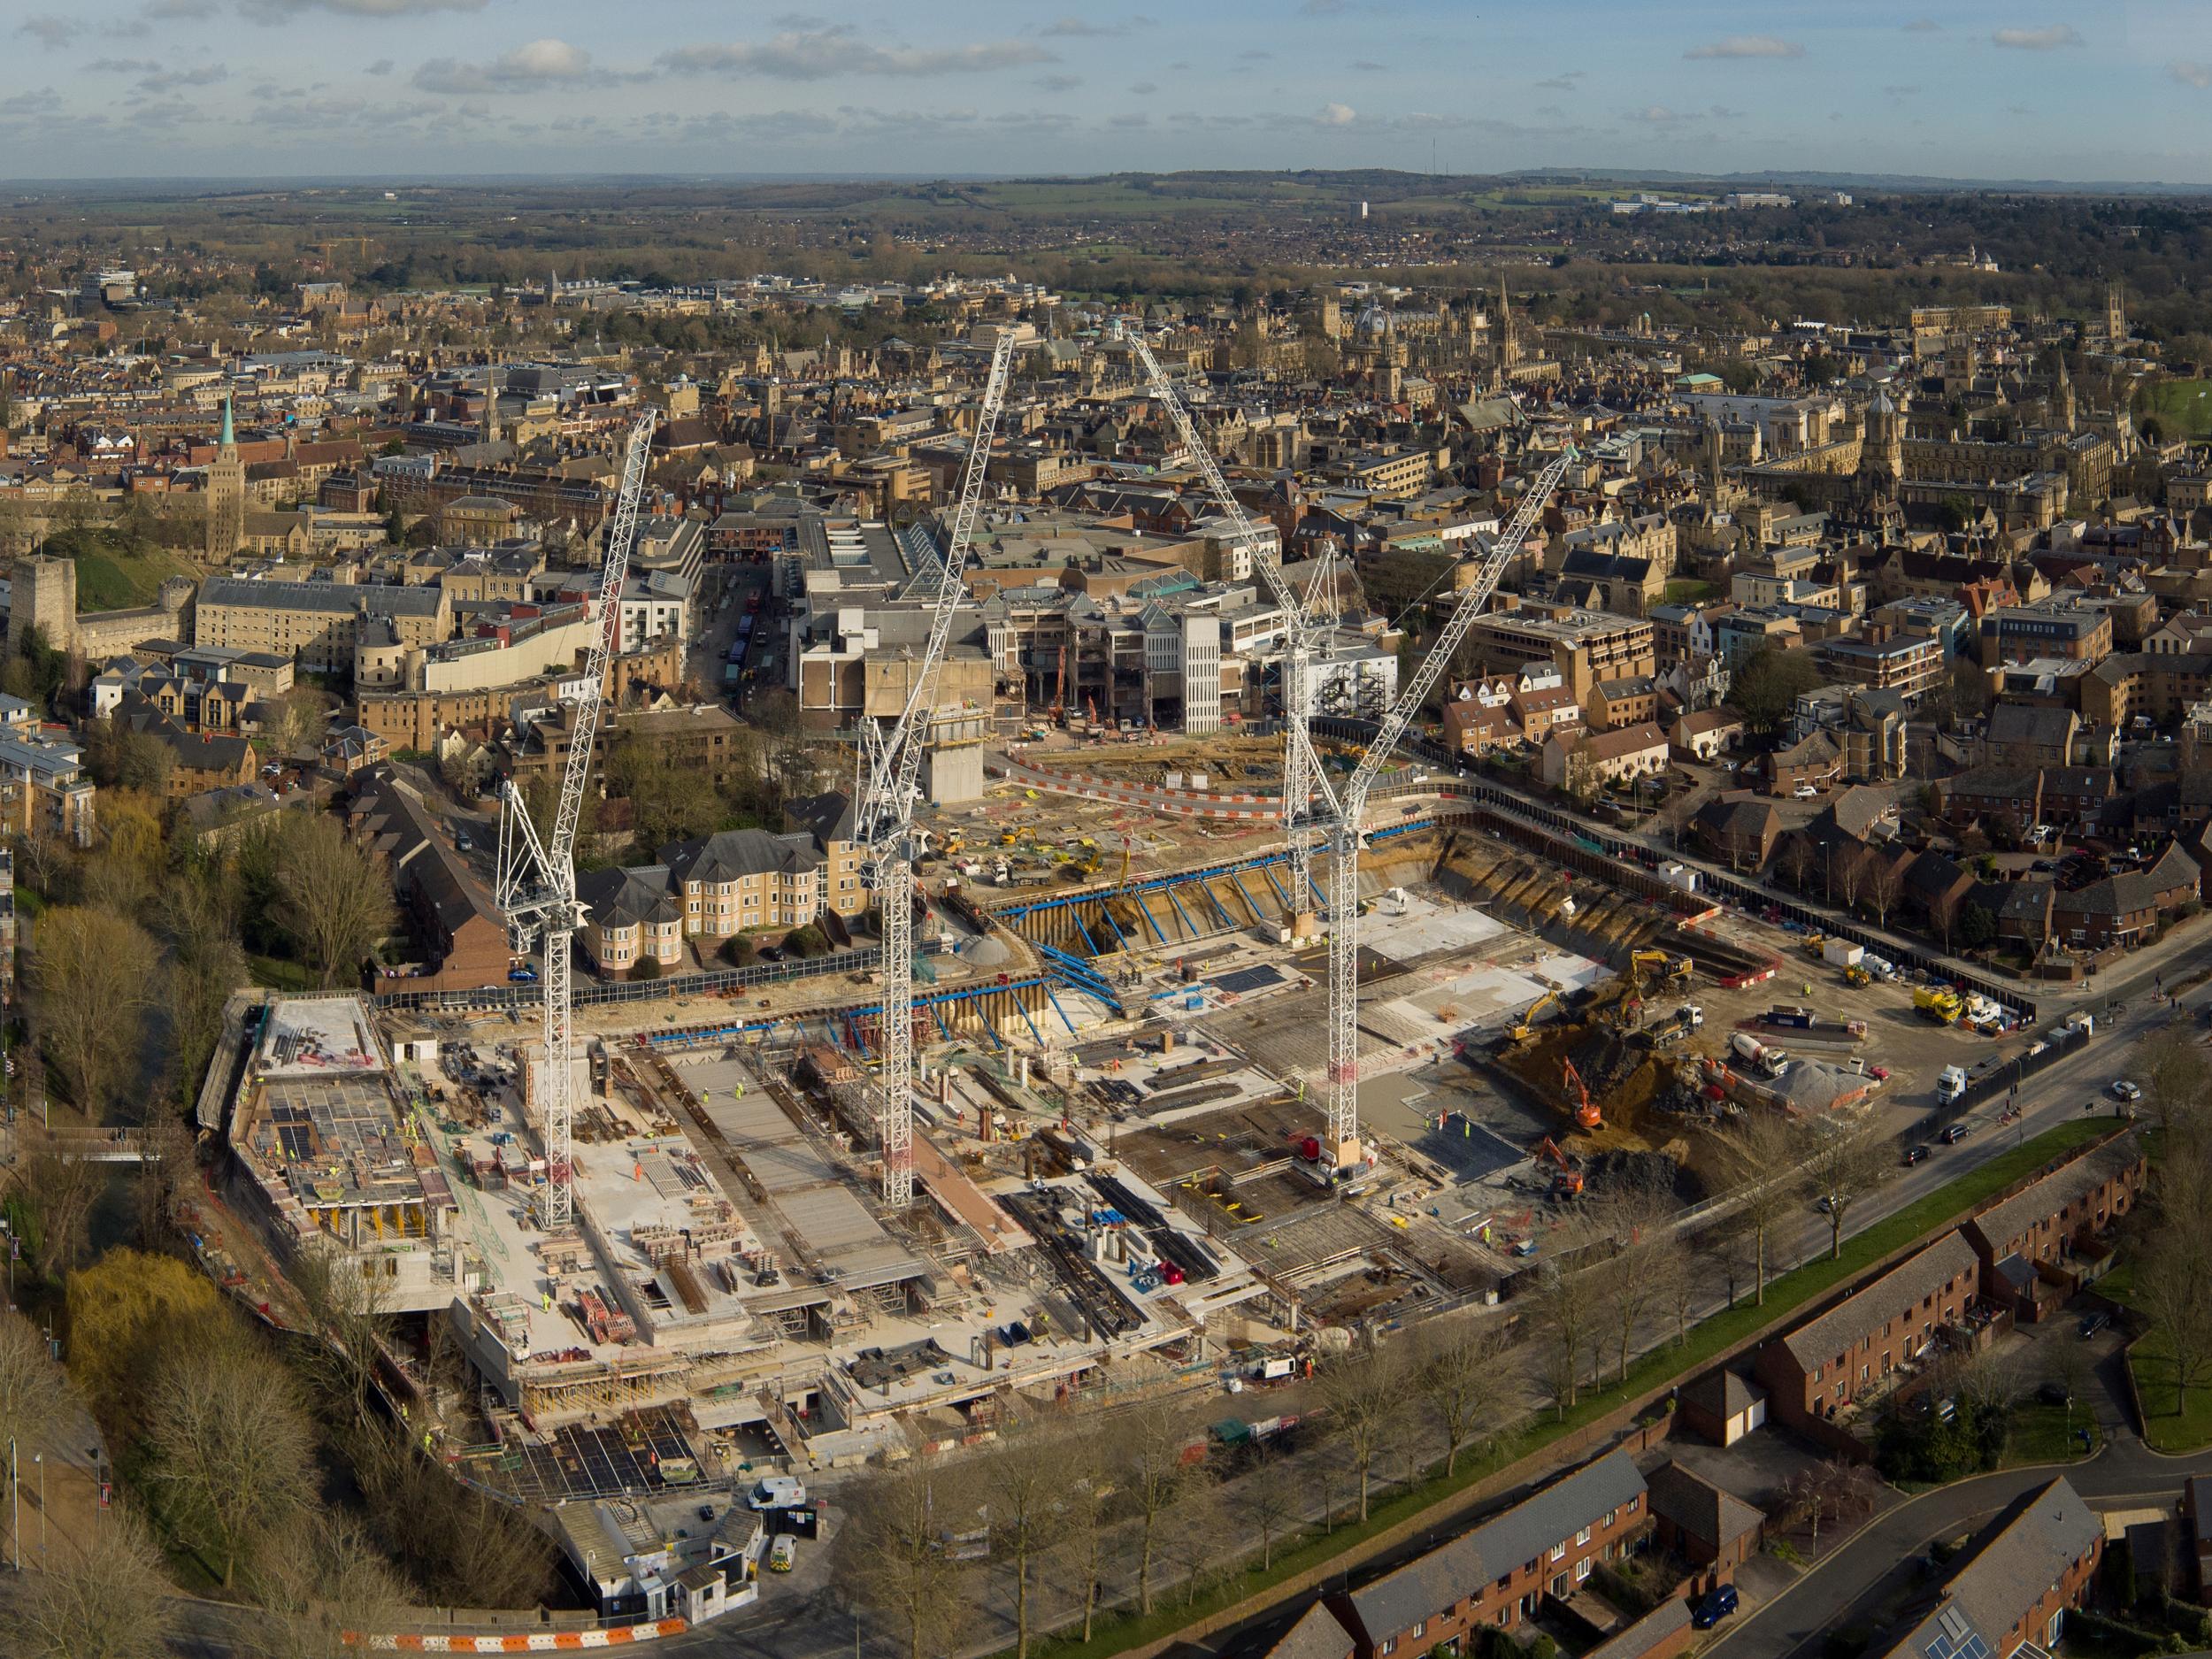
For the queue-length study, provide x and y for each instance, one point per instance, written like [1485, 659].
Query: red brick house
[1825, 1362]
[1499, 1572]
[2031, 1244]
[1992, 793]
[2014, 1583]
[1716, 1532]
[1741, 829]
[1814, 762]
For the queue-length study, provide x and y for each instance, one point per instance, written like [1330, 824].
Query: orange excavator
[1586, 1113]
[1567, 1182]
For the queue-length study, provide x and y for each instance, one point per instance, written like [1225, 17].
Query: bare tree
[233, 1449]
[1797, 860]
[1365, 1393]
[1020, 1486]
[1770, 1186]
[104, 1596]
[2176, 1266]
[1150, 1475]
[1846, 866]
[1883, 882]
[34, 1396]
[347, 1309]
[91, 978]
[1461, 1380]
[332, 900]
[2176, 1075]
[1842, 1169]
[325, 1595]
[61, 1193]
[1831, 1491]
[1638, 1219]
[1565, 1313]
[1270, 1495]
[893, 1562]
[1089, 1457]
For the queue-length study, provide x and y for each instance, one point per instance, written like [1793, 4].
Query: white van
[777, 1492]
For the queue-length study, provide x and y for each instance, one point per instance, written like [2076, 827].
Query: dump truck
[1938, 1004]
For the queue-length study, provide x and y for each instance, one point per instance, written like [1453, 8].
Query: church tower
[491, 405]
[226, 495]
[1506, 356]
[1882, 449]
[2116, 316]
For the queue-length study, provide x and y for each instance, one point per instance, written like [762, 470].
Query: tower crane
[891, 764]
[537, 879]
[1301, 625]
[1341, 811]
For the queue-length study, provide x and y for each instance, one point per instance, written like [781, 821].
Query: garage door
[1757, 1417]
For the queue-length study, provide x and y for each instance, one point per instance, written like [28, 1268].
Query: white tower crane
[1342, 811]
[883, 825]
[537, 879]
[1301, 618]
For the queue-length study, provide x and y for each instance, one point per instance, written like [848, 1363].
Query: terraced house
[1500, 1572]
[1827, 1361]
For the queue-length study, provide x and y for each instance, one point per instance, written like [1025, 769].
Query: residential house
[1910, 666]
[2075, 795]
[1741, 828]
[1318, 1634]
[2021, 736]
[2012, 1586]
[43, 787]
[1498, 1574]
[1541, 711]
[1661, 1633]
[1935, 890]
[2031, 1244]
[631, 915]
[739, 880]
[1614, 704]
[1993, 793]
[828, 818]
[1813, 763]
[1825, 1362]
[461, 934]
[1715, 1530]
[1586, 759]
[2123, 909]
[1476, 728]
[1705, 735]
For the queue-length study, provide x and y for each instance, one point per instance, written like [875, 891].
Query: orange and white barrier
[525, 1641]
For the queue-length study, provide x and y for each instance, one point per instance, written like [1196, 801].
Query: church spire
[229, 438]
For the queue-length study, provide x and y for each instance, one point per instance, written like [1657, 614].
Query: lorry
[1939, 1003]
[1841, 953]
[1950, 1085]
[1749, 1048]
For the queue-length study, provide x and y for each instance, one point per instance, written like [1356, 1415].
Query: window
[1582, 1569]
[1389, 1645]
[1583, 1537]
[1609, 1514]
[1559, 1551]
[1419, 1627]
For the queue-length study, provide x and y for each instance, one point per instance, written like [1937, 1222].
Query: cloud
[527, 68]
[168, 79]
[1748, 46]
[2052, 39]
[1564, 83]
[1722, 112]
[1367, 66]
[1656, 115]
[1336, 115]
[818, 54]
[50, 31]
[1924, 26]
[1900, 93]
[2198, 75]
[1254, 55]
[124, 66]
[161, 10]
[382, 67]
[1060, 83]
[1144, 88]
[285, 11]
[1083, 28]
[1137, 118]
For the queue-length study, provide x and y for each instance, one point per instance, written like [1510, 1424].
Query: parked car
[2094, 1323]
[1717, 1604]
[2122, 1089]
[1956, 1134]
[1913, 1154]
[1803, 792]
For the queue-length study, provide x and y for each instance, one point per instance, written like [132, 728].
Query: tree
[1462, 1382]
[1089, 1455]
[1766, 687]
[347, 1315]
[1270, 1495]
[119, 1308]
[2177, 1262]
[1771, 1183]
[301, 719]
[34, 1401]
[1977, 926]
[332, 900]
[1640, 1221]
[1020, 1486]
[1365, 1393]
[1149, 1475]
[2176, 1076]
[91, 977]
[325, 1592]
[1797, 859]
[206, 963]
[102, 1597]
[234, 1454]
[892, 1560]
[1843, 1169]
[1884, 881]
[1565, 1314]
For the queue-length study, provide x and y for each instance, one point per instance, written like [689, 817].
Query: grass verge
[2036, 1432]
[1707, 1341]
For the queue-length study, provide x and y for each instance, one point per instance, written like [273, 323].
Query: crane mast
[884, 819]
[1345, 809]
[1298, 618]
[537, 879]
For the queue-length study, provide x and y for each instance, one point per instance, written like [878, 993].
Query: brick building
[1825, 1362]
[2014, 1583]
[2031, 1245]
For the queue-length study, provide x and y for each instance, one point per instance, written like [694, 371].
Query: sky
[2063, 90]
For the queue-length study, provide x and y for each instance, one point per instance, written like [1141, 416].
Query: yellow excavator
[1675, 969]
[1525, 1029]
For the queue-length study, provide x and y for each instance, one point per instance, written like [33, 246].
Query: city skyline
[200, 88]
